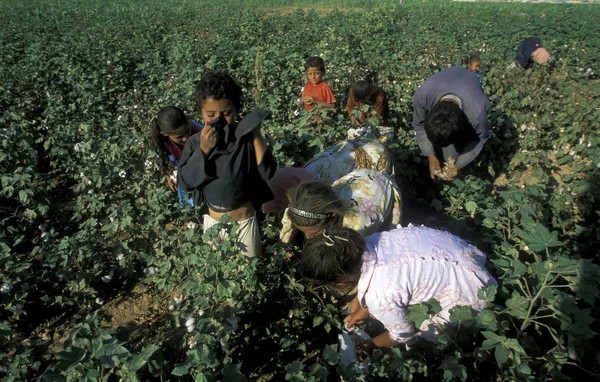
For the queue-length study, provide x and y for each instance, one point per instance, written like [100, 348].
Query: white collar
[453, 97]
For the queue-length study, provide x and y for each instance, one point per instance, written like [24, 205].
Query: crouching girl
[397, 269]
[228, 160]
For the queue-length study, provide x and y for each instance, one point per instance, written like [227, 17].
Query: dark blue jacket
[229, 175]
[526, 49]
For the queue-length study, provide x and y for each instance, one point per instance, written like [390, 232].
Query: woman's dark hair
[315, 62]
[445, 124]
[334, 256]
[315, 197]
[170, 120]
[218, 85]
[471, 59]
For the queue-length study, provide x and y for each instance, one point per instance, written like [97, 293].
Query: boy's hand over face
[208, 138]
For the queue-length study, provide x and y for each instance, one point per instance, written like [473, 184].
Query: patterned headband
[308, 215]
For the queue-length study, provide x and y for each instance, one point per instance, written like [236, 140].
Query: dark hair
[218, 85]
[333, 256]
[316, 197]
[445, 124]
[363, 91]
[315, 62]
[471, 59]
[170, 120]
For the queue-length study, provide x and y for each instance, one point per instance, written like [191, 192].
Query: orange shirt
[320, 91]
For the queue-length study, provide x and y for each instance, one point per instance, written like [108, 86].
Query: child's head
[315, 68]
[363, 91]
[314, 207]
[473, 63]
[334, 256]
[170, 124]
[218, 95]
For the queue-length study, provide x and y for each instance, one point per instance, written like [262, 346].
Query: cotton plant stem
[531, 306]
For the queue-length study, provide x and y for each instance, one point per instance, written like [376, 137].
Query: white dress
[411, 265]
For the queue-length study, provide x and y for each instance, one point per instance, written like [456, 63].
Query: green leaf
[331, 355]
[487, 293]
[540, 238]
[292, 369]
[524, 369]
[518, 305]
[493, 337]
[513, 344]
[588, 281]
[139, 360]
[487, 319]
[232, 373]
[434, 306]
[501, 354]
[452, 369]
[417, 314]
[471, 207]
[180, 369]
[318, 320]
[462, 315]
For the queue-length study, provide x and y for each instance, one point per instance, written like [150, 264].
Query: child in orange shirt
[316, 91]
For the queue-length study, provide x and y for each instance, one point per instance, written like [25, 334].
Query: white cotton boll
[78, 146]
[200, 313]
[177, 299]
[191, 225]
[106, 278]
[119, 257]
[99, 301]
[190, 324]
[523, 127]
[172, 306]
[123, 174]
[6, 287]
[572, 152]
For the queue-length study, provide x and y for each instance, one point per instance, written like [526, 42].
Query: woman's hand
[358, 317]
[172, 181]
[209, 136]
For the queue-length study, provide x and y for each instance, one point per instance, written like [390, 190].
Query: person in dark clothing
[228, 161]
[531, 50]
[450, 117]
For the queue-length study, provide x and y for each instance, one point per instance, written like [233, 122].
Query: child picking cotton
[397, 269]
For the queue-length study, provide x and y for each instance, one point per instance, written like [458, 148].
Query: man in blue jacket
[450, 119]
